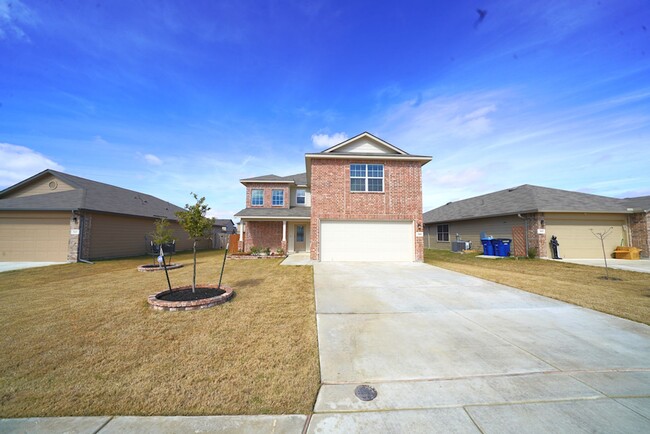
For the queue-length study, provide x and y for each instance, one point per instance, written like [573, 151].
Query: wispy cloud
[326, 140]
[152, 159]
[20, 162]
[14, 16]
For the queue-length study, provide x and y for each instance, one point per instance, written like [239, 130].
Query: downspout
[525, 231]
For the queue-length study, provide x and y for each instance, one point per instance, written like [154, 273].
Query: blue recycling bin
[501, 246]
[505, 246]
[488, 249]
[496, 246]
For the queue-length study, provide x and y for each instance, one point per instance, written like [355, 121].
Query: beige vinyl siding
[34, 237]
[577, 241]
[42, 186]
[470, 230]
[114, 236]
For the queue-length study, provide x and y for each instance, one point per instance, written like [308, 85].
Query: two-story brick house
[360, 200]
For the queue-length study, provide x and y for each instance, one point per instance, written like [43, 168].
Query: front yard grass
[582, 285]
[80, 339]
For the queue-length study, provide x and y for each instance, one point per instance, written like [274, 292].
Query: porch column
[284, 235]
[242, 234]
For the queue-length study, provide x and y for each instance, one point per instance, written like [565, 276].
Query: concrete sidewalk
[448, 352]
[156, 424]
[640, 265]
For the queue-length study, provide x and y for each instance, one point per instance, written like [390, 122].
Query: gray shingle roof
[296, 211]
[642, 202]
[298, 178]
[524, 199]
[92, 196]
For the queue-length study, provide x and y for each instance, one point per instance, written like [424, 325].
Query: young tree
[162, 233]
[197, 226]
[601, 236]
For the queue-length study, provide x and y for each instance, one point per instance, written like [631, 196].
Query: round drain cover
[365, 392]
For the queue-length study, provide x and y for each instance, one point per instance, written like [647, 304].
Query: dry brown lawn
[582, 285]
[80, 339]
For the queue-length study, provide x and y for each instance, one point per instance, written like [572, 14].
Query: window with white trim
[443, 232]
[257, 197]
[277, 198]
[300, 196]
[367, 177]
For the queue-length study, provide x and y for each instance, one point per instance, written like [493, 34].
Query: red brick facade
[268, 191]
[263, 234]
[331, 197]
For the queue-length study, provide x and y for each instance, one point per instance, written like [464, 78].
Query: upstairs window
[367, 177]
[257, 197]
[277, 198]
[443, 232]
[300, 196]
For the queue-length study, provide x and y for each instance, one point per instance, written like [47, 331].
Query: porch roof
[296, 212]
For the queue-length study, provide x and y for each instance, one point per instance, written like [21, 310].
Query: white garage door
[366, 241]
[578, 242]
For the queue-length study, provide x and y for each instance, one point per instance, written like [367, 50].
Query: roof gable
[87, 195]
[45, 182]
[364, 143]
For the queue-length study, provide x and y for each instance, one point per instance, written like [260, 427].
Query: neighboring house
[57, 217]
[530, 215]
[224, 226]
[360, 200]
[221, 232]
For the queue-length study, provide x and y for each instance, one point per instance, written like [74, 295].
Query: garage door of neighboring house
[577, 241]
[34, 239]
[366, 241]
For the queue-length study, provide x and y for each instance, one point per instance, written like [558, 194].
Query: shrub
[532, 253]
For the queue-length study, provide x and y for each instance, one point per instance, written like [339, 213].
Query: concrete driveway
[448, 352]
[9, 266]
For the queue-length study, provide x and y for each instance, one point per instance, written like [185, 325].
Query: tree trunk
[194, 271]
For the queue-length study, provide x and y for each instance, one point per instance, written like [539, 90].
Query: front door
[299, 243]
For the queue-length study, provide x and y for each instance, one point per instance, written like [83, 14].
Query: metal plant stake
[161, 258]
[223, 265]
[601, 236]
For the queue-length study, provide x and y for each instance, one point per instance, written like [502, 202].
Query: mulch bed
[188, 295]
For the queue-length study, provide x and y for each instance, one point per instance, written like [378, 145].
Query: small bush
[532, 253]
[255, 250]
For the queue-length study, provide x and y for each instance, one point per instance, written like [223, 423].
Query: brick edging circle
[205, 303]
[149, 267]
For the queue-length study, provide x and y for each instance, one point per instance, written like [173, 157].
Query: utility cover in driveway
[366, 241]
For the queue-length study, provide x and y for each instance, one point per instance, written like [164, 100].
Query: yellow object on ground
[626, 252]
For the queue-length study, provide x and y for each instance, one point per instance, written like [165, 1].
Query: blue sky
[171, 97]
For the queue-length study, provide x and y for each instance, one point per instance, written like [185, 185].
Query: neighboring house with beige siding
[57, 217]
[530, 215]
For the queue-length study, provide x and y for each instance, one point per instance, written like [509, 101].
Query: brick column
[75, 234]
[640, 233]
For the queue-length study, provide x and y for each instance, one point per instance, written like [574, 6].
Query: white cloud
[152, 159]
[13, 15]
[327, 141]
[19, 162]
